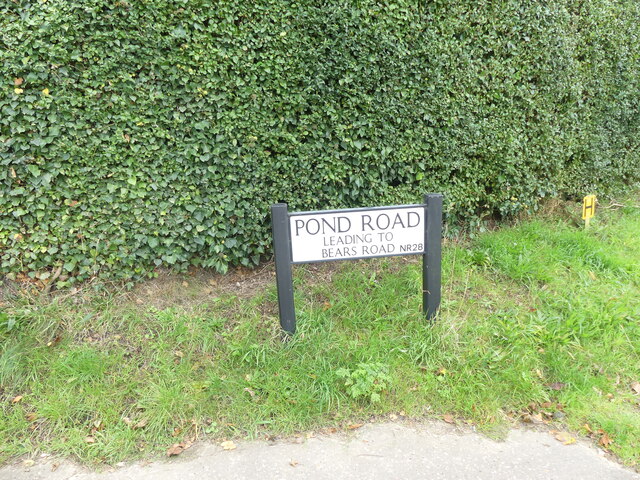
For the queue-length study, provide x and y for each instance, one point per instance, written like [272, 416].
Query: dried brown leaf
[90, 439]
[448, 418]
[635, 386]
[354, 426]
[141, 424]
[55, 341]
[18, 81]
[228, 445]
[178, 448]
[557, 385]
[563, 437]
[16, 399]
[605, 439]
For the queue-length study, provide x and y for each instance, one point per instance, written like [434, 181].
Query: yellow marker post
[588, 209]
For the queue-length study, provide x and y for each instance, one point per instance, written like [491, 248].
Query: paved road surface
[378, 451]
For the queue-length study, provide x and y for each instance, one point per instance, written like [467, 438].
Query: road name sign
[357, 233]
[350, 234]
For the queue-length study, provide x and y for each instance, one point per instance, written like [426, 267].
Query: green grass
[524, 307]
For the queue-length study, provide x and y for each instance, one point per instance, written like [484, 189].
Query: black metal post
[432, 258]
[284, 279]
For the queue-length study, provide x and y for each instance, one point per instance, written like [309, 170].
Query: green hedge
[141, 133]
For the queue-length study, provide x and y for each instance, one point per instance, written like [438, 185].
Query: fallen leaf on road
[354, 426]
[293, 463]
[563, 437]
[228, 445]
[178, 448]
[28, 463]
[448, 418]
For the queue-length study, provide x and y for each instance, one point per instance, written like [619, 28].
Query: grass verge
[539, 322]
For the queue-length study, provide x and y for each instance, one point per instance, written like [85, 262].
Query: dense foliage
[139, 133]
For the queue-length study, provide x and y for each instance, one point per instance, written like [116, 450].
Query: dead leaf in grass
[635, 386]
[31, 417]
[56, 340]
[533, 418]
[563, 437]
[354, 426]
[90, 439]
[178, 448]
[17, 399]
[228, 445]
[557, 385]
[448, 418]
[587, 428]
[605, 439]
[141, 424]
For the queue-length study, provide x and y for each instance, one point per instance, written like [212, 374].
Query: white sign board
[358, 233]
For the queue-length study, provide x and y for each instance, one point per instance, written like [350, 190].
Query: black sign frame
[431, 258]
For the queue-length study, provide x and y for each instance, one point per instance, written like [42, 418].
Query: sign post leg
[432, 259]
[284, 278]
